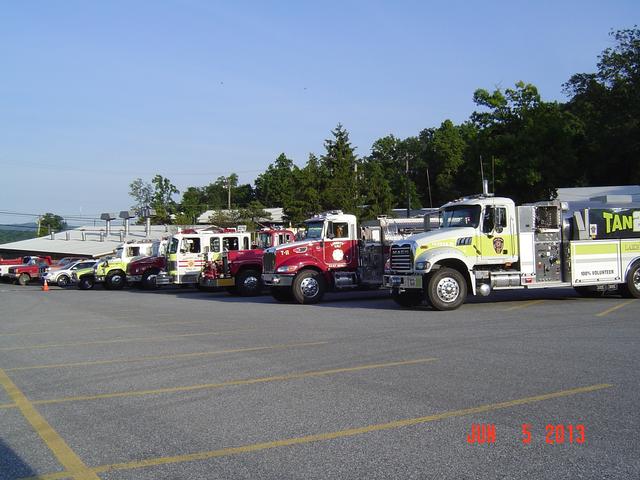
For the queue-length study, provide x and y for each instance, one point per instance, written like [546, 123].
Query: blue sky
[95, 94]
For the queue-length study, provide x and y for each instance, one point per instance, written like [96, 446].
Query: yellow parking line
[617, 307]
[231, 383]
[153, 462]
[120, 340]
[74, 467]
[162, 357]
[93, 329]
[523, 305]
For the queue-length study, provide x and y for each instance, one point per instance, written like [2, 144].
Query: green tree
[162, 199]
[444, 152]
[608, 104]
[50, 221]
[531, 140]
[276, 187]
[339, 161]
[158, 195]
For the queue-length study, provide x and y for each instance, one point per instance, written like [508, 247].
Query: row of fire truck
[474, 245]
[206, 258]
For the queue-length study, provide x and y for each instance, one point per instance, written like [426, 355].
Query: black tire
[308, 287]
[86, 282]
[447, 289]
[412, 298]
[249, 283]
[589, 292]
[63, 281]
[148, 281]
[282, 294]
[632, 288]
[115, 280]
[24, 279]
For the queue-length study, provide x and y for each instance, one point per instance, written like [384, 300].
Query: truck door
[339, 248]
[496, 240]
[191, 259]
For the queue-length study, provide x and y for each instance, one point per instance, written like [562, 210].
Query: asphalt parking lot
[181, 384]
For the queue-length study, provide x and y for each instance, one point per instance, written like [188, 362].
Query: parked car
[62, 276]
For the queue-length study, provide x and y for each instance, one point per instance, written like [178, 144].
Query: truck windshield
[461, 216]
[264, 240]
[173, 248]
[314, 230]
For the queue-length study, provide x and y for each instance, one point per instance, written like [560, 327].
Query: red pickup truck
[35, 268]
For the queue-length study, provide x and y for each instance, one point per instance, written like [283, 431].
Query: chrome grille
[268, 262]
[401, 258]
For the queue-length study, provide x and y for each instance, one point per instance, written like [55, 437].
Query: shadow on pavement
[11, 464]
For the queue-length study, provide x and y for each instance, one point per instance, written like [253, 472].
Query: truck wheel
[115, 280]
[249, 283]
[63, 281]
[23, 279]
[148, 281]
[407, 299]
[86, 283]
[447, 289]
[632, 287]
[282, 294]
[308, 287]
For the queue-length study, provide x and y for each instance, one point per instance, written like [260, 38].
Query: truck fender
[632, 264]
[453, 258]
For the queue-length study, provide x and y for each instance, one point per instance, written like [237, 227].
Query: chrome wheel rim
[448, 289]
[309, 287]
[251, 283]
[636, 279]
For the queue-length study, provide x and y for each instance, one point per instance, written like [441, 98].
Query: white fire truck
[189, 251]
[486, 243]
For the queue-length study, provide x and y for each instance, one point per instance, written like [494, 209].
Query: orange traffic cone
[45, 286]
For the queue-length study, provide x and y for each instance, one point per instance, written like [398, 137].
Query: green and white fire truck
[486, 243]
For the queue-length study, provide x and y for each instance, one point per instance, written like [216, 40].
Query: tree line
[526, 147]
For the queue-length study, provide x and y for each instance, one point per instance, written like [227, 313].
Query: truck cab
[112, 270]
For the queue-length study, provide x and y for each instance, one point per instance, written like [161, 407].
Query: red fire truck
[336, 254]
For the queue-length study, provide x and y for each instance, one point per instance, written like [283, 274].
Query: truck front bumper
[277, 280]
[217, 282]
[405, 282]
[134, 278]
[164, 278]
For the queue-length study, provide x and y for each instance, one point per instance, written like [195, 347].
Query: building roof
[611, 194]
[88, 241]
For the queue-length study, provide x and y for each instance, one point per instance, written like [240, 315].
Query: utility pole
[229, 193]
[406, 172]
[429, 188]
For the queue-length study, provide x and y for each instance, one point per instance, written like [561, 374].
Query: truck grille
[401, 258]
[268, 262]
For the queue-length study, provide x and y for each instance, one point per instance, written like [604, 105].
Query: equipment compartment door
[594, 262]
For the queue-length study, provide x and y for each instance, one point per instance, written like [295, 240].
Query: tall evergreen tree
[339, 162]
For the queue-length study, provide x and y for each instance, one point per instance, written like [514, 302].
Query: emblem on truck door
[498, 245]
